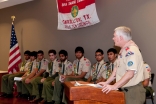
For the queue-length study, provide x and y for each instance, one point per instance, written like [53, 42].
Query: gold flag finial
[13, 18]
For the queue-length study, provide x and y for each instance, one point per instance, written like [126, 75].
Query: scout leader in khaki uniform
[147, 83]
[49, 77]
[22, 91]
[41, 66]
[80, 68]
[8, 79]
[129, 70]
[98, 69]
[112, 56]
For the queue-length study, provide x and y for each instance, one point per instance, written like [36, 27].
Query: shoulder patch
[70, 65]
[129, 53]
[130, 63]
[148, 69]
[87, 63]
[127, 48]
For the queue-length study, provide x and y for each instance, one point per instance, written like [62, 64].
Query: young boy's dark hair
[79, 49]
[40, 52]
[64, 52]
[52, 51]
[100, 50]
[33, 53]
[112, 50]
[27, 52]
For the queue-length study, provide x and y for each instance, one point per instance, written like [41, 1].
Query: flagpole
[13, 19]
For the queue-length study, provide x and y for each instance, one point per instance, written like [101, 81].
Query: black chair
[151, 97]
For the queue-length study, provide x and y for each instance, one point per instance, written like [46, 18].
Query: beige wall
[36, 28]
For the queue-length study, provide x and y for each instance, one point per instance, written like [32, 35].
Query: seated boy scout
[80, 68]
[99, 68]
[41, 66]
[112, 56]
[22, 91]
[8, 79]
[49, 77]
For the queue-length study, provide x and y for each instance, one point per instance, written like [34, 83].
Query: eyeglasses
[97, 55]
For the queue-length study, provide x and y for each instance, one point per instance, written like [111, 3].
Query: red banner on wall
[74, 14]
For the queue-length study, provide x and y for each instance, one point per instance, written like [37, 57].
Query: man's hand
[102, 84]
[22, 78]
[27, 80]
[42, 80]
[53, 83]
[108, 88]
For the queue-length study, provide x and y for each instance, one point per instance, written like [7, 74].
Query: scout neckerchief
[112, 66]
[109, 71]
[31, 66]
[97, 71]
[78, 66]
[50, 66]
[63, 68]
[39, 66]
[23, 64]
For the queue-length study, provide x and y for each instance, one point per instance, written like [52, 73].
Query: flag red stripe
[13, 51]
[14, 66]
[67, 9]
[14, 58]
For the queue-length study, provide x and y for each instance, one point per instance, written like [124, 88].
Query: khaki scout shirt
[67, 67]
[112, 65]
[52, 69]
[24, 66]
[147, 73]
[130, 59]
[84, 66]
[99, 70]
[42, 65]
[31, 66]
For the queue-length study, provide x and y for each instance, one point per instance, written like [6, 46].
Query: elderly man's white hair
[123, 31]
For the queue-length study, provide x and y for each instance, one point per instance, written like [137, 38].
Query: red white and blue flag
[14, 53]
[74, 14]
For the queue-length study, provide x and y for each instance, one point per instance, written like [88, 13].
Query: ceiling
[8, 3]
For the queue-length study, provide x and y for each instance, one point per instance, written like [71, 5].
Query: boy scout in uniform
[98, 69]
[112, 55]
[22, 91]
[147, 83]
[8, 79]
[80, 68]
[41, 66]
[49, 77]
[129, 69]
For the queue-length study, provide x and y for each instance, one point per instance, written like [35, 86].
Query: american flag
[14, 53]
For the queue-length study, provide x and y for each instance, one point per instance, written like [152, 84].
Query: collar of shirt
[113, 62]
[54, 60]
[101, 62]
[81, 59]
[33, 60]
[65, 62]
[27, 60]
[129, 43]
